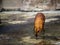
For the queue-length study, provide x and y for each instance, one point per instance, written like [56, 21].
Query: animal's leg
[36, 32]
[36, 35]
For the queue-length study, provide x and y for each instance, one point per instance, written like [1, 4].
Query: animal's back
[39, 22]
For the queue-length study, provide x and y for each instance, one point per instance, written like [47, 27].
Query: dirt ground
[20, 32]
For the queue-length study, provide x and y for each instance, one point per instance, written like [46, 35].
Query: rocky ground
[18, 30]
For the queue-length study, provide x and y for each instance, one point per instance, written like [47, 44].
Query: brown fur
[39, 23]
